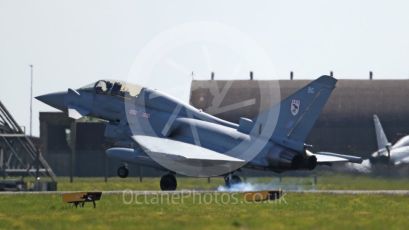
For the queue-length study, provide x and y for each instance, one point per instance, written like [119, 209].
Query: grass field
[297, 212]
[212, 211]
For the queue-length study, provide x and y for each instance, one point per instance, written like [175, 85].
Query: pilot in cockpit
[100, 87]
[116, 88]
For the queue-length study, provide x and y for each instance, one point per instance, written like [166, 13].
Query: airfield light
[31, 100]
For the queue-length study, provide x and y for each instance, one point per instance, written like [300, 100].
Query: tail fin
[381, 139]
[299, 112]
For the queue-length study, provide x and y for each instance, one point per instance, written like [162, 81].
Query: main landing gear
[231, 180]
[123, 171]
[168, 182]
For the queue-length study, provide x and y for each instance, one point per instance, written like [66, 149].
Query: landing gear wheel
[168, 182]
[230, 180]
[123, 172]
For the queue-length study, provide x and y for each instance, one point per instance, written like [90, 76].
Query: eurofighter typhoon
[156, 130]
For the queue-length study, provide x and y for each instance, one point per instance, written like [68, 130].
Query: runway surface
[182, 192]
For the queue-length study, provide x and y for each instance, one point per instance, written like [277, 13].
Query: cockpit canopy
[114, 88]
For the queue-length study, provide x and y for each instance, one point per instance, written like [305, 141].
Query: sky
[160, 43]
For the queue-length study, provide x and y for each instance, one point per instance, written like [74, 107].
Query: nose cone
[56, 100]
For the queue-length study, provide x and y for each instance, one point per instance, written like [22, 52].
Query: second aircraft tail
[381, 138]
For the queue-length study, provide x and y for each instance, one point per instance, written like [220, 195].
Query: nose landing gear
[123, 171]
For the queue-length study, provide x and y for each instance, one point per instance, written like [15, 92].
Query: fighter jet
[387, 153]
[156, 130]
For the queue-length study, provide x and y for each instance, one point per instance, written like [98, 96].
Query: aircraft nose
[56, 100]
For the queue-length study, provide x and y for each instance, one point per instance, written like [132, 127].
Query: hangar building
[346, 123]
